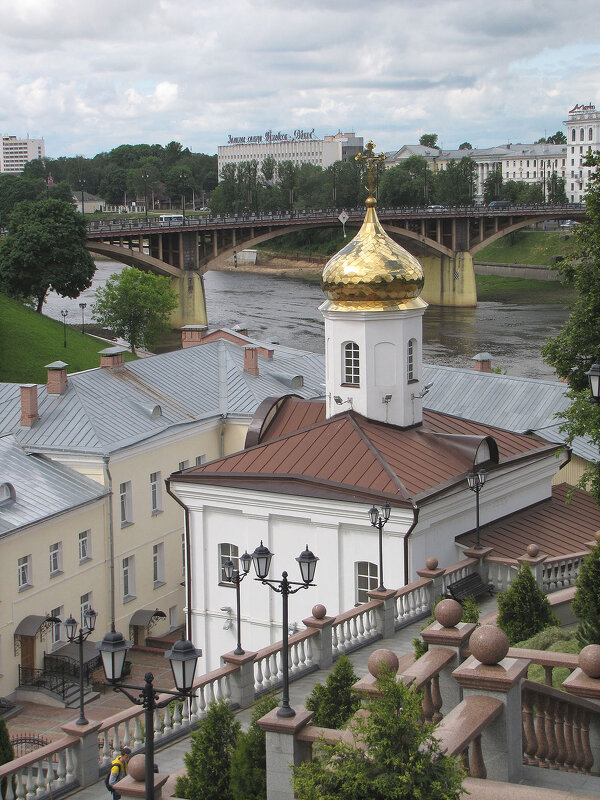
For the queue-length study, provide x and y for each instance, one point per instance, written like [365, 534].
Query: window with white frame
[227, 551]
[172, 618]
[55, 551]
[125, 503]
[183, 464]
[84, 540]
[201, 459]
[85, 603]
[366, 580]
[56, 632]
[24, 572]
[158, 564]
[351, 366]
[411, 357]
[128, 577]
[155, 492]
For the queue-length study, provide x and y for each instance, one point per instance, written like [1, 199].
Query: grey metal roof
[43, 488]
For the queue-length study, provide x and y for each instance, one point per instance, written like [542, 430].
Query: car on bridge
[436, 208]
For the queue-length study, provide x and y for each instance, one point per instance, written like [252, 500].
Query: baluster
[559, 734]
[115, 739]
[353, 630]
[106, 759]
[301, 654]
[334, 639]
[276, 667]
[40, 787]
[62, 769]
[551, 711]
[540, 730]
[588, 757]
[10, 787]
[198, 707]
[126, 735]
[293, 653]
[30, 785]
[436, 698]
[70, 764]
[168, 725]
[157, 724]
[548, 674]
[579, 754]
[267, 671]
[309, 653]
[569, 744]
[20, 786]
[360, 627]
[258, 676]
[529, 738]
[427, 702]
[477, 764]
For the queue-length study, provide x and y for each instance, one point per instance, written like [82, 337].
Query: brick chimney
[57, 380]
[483, 362]
[251, 360]
[112, 357]
[191, 335]
[29, 404]
[241, 329]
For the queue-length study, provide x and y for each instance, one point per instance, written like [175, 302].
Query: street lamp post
[81, 185]
[64, 313]
[82, 306]
[89, 617]
[183, 177]
[236, 577]
[307, 561]
[593, 376]
[475, 481]
[145, 179]
[182, 656]
[378, 519]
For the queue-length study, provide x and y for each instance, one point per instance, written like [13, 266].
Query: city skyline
[87, 78]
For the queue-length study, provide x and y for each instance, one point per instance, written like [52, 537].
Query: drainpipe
[111, 540]
[188, 560]
[406, 537]
[222, 435]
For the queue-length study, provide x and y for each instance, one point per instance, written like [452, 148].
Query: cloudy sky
[89, 75]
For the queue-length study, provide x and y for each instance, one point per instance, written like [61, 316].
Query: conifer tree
[586, 603]
[249, 759]
[209, 761]
[523, 609]
[334, 703]
[7, 752]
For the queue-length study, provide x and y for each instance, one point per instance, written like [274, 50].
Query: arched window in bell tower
[351, 367]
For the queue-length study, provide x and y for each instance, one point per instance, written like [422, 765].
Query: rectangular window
[125, 501]
[85, 546]
[57, 628]
[227, 551]
[24, 572]
[367, 579]
[183, 465]
[128, 575]
[158, 564]
[85, 602]
[55, 558]
[172, 618]
[201, 459]
[155, 492]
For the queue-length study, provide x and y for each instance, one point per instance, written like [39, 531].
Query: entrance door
[27, 656]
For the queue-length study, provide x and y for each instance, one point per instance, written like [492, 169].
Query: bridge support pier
[191, 309]
[449, 281]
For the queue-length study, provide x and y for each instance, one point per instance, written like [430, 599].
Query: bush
[586, 604]
[397, 755]
[523, 609]
[470, 610]
[556, 639]
[249, 759]
[7, 754]
[208, 763]
[334, 703]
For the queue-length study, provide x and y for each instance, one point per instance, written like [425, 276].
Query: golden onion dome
[372, 272]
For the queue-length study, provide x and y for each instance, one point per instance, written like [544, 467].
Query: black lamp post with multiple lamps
[182, 656]
[89, 620]
[378, 519]
[234, 576]
[593, 376]
[307, 561]
[475, 481]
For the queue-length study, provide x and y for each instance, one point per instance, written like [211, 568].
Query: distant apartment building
[15, 153]
[299, 147]
[583, 134]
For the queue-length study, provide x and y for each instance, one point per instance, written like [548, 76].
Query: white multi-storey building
[15, 153]
[299, 147]
[583, 134]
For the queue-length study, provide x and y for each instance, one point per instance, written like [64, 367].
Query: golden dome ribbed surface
[373, 272]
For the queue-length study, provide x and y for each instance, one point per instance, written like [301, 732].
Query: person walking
[118, 770]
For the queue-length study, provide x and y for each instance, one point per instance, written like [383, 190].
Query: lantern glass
[261, 558]
[471, 480]
[593, 375]
[113, 649]
[386, 509]
[307, 561]
[481, 476]
[183, 657]
[228, 569]
[374, 515]
[70, 628]
[246, 561]
[89, 618]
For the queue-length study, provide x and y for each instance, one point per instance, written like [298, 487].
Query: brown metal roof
[349, 454]
[555, 526]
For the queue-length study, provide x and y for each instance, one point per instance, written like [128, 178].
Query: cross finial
[371, 164]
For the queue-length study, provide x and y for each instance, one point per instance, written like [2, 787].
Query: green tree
[428, 140]
[113, 184]
[208, 763]
[556, 138]
[586, 603]
[136, 305]
[523, 609]
[454, 185]
[7, 754]
[397, 758]
[407, 184]
[44, 250]
[557, 189]
[493, 184]
[334, 703]
[267, 169]
[249, 759]
[465, 146]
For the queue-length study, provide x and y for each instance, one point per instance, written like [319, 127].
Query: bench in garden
[469, 586]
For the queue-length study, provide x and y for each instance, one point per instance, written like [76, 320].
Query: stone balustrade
[43, 772]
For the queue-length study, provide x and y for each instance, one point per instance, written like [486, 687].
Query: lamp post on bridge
[145, 177]
[89, 618]
[183, 177]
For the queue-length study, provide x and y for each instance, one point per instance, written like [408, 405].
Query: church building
[312, 468]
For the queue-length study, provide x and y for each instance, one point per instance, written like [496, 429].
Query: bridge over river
[444, 239]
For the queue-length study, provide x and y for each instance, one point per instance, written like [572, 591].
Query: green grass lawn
[28, 341]
[524, 291]
[528, 247]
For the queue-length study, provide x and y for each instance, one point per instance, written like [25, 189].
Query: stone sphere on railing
[380, 660]
[448, 613]
[137, 767]
[489, 644]
[319, 611]
[589, 660]
[432, 563]
[533, 550]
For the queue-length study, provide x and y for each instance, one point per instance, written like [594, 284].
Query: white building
[15, 153]
[299, 147]
[583, 134]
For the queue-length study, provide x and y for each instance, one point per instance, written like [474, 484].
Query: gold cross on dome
[371, 165]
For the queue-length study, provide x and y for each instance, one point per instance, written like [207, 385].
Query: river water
[286, 310]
